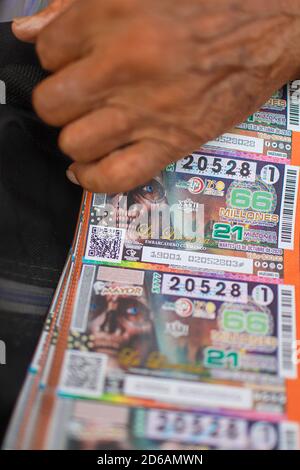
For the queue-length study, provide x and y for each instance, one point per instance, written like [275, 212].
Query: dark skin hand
[138, 84]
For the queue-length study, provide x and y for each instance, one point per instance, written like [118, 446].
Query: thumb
[27, 28]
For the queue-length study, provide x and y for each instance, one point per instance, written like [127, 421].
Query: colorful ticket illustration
[271, 133]
[174, 325]
[204, 214]
[84, 425]
[196, 341]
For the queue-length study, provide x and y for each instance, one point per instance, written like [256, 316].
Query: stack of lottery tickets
[174, 325]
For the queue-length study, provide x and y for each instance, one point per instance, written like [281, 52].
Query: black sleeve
[38, 206]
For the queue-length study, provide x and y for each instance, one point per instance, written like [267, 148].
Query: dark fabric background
[38, 211]
[38, 206]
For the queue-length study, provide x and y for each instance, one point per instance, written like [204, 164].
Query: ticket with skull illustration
[174, 324]
[204, 213]
[171, 340]
[272, 133]
[147, 337]
[88, 425]
[226, 379]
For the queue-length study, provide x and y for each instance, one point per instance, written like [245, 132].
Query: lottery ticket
[204, 213]
[237, 362]
[174, 324]
[272, 133]
[230, 365]
[82, 425]
[187, 339]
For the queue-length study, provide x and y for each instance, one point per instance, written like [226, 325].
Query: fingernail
[71, 176]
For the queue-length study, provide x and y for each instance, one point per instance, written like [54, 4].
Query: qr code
[83, 374]
[105, 243]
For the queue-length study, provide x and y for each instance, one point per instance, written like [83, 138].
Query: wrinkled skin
[138, 84]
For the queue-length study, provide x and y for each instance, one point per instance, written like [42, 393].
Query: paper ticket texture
[81, 425]
[203, 213]
[271, 133]
[191, 340]
[175, 324]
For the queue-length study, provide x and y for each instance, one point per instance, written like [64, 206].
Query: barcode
[83, 297]
[289, 436]
[288, 208]
[83, 374]
[286, 331]
[105, 244]
[293, 108]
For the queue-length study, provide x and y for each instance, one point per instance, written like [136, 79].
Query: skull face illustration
[149, 194]
[120, 320]
[134, 209]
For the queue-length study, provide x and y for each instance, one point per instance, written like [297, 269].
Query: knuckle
[121, 121]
